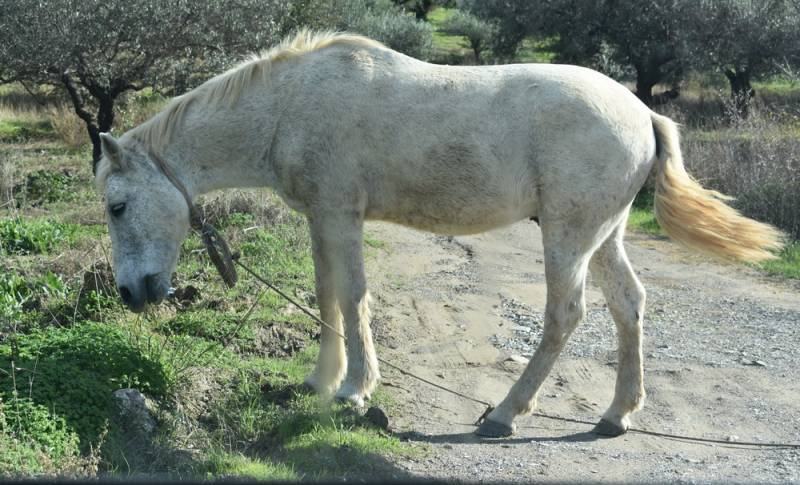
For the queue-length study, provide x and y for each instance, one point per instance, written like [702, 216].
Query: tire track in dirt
[450, 310]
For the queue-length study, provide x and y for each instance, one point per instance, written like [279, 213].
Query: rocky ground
[721, 361]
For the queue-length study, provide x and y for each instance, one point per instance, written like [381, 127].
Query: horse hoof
[353, 399]
[607, 428]
[493, 429]
[306, 388]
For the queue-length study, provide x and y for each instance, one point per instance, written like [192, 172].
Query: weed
[32, 236]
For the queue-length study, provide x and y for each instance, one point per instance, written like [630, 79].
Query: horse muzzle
[149, 289]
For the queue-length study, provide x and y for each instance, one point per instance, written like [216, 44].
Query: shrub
[400, 32]
[755, 160]
[478, 32]
[49, 186]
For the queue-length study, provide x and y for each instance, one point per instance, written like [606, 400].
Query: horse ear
[113, 151]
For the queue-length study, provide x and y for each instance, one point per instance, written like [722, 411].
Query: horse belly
[461, 202]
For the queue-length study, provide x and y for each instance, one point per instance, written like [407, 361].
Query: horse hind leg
[625, 296]
[566, 263]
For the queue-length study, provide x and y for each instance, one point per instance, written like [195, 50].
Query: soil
[722, 360]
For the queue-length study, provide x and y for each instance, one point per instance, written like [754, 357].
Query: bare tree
[97, 50]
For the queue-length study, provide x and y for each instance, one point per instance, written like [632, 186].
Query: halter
[215, 244]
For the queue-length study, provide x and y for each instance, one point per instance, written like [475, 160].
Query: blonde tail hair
[698, 217]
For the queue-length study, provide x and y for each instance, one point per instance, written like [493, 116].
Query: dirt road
[722, 360]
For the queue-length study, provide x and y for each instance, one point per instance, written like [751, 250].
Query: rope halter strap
[215, 244]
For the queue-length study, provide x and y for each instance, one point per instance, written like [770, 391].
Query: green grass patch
[15, 129]
[642, 218]
[221, 464]
[787, 264]
[20, 235]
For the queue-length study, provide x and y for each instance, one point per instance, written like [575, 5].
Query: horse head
[147, 217]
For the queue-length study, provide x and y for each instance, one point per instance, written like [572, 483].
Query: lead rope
[220, 255]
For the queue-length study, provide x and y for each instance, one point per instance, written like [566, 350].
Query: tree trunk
[80, 109]
[476, 49]
[644, 86]
[421, 9]
[741, 91]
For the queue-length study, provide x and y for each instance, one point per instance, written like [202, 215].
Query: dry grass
[7, 180]
[70, 129]
[754, 159]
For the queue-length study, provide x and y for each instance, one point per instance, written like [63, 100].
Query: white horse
[345, 129]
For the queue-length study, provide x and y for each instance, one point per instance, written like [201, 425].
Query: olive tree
[745, 40]
[478, 32]
[98, 50]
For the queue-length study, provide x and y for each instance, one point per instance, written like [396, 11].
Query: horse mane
[227, 87]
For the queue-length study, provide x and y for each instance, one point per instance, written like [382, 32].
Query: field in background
[222, 367]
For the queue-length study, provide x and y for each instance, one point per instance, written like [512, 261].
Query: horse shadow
[469, 437]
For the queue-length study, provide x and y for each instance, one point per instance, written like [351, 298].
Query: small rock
[518, 359]
[377, 417]
[134, 412]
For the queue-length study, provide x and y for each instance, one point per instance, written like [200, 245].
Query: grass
[788, 264]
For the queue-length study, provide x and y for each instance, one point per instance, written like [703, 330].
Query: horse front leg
[331, 363]
[340, 242]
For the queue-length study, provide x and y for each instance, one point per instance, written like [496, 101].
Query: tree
[478, 32]
[98, 50]
[648, 35]
[745, 40]
[512, 21]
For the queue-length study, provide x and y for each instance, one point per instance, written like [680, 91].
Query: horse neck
[224, 147]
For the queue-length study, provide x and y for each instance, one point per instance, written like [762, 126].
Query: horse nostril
[151, 286]
[126, 294]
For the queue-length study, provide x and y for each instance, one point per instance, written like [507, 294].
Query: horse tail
[699, 217]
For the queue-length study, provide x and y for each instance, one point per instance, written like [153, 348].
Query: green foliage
[32, 236]
[74, 371]
[400, 32]
[30, 437]
[49, 186]
[17, 293]
[642, 217]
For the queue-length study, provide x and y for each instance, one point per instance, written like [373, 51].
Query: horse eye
[118, 209]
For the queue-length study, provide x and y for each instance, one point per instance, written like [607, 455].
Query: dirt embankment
[722, 353]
